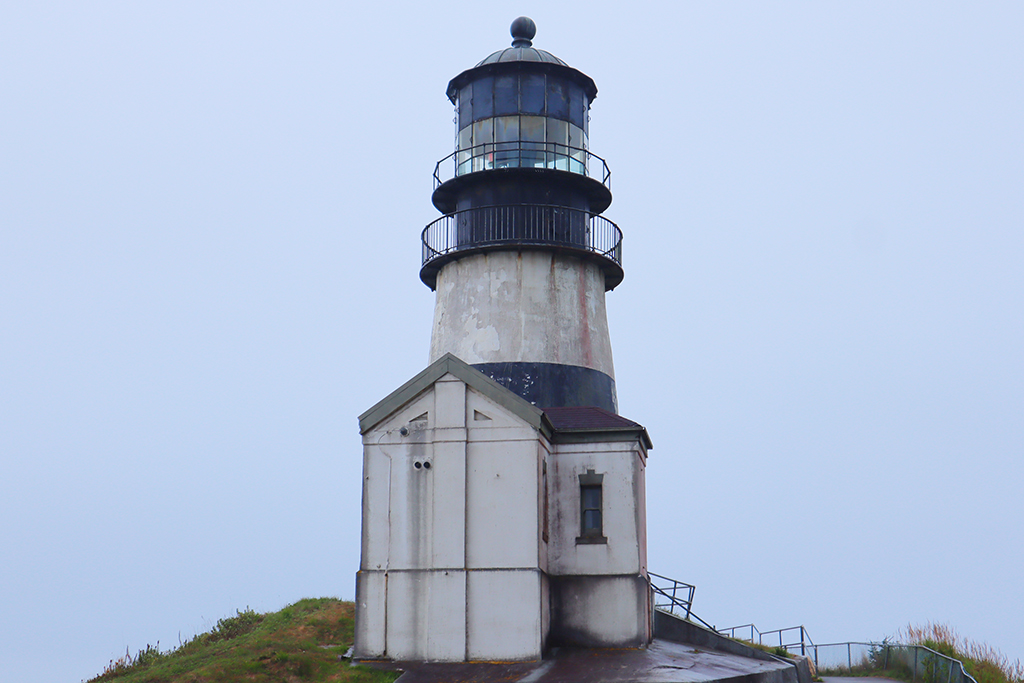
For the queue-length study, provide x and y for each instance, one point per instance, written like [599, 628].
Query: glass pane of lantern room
[465, 153]
[558, 139]
[576, 100]
[558, 99]
[483, 98]
[531, 131]
[506, 94]
[532, 128]
[506, 138]
[506, 128]
[576, 137]
[466, 106]
[531, 94]
[577, 143]
[483, 135]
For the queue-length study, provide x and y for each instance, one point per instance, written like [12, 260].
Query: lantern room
[522, 174]
[532, 117]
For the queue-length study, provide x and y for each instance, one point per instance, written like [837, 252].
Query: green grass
[770, 649]
[302, 642]
[983, 662]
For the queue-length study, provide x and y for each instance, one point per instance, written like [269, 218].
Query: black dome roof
[522, 54]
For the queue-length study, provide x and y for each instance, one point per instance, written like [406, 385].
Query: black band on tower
[552, 385]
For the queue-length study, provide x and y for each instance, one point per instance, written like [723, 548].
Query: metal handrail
[522, 154]
[922, 664]
[731, 631]
[674, 594]
[804, 642]
[522, 225]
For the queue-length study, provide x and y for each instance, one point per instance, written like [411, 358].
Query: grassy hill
[302, 642]
[306, 641]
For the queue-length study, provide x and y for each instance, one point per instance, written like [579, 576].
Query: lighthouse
[503, 504]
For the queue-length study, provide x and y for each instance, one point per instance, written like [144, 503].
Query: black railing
[670, 595]
[798, 639]
[522, 154]
[522, 225]
[915, 662]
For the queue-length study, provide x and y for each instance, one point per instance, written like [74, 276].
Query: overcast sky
[209, 252]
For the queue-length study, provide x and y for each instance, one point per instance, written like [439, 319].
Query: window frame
[590, 482]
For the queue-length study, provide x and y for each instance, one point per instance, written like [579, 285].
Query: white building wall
[430, 572]
[371, 615]
[505, 619]
[622, 463]
[421, 621]
[502, 493]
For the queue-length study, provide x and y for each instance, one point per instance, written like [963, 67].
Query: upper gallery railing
[522, 154]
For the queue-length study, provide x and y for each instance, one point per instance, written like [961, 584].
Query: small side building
[493, 529]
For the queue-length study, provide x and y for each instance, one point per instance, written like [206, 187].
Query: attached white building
[493, 529]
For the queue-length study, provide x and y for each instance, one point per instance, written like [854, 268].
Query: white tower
[503, 496]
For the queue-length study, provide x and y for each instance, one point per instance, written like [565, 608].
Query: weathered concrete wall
[670, 627]
[678, 630]
[531, 306]
[600, 611]
[600, 593]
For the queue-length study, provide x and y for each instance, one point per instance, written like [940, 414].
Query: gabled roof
[575, 424]
[594, 421]
[472, 377]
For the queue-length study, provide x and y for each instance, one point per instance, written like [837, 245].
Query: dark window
[590, 497]
[483, 98]
[466, 106]
[577, 105]
[531, 94]
[506, 95]
[558, 99]
[591, 508]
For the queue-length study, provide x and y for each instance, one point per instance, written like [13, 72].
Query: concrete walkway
[856, 679]
[661, 662]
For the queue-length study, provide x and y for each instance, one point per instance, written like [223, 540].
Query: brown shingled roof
[587, 418]
[577, 421]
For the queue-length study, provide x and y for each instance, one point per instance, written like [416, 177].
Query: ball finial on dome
[523, 30]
